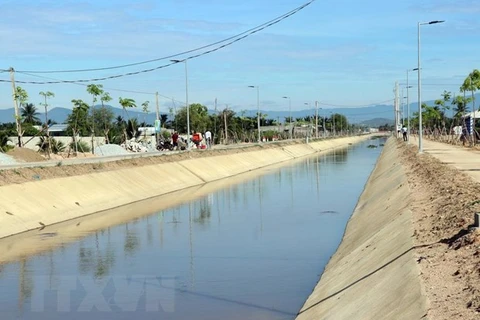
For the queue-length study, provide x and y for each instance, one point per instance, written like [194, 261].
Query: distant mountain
[376, 122]
[354, 115]
[60, 115]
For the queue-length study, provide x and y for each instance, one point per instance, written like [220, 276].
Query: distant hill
[60, 115]
[372, 115]
[376, 122]
[354, 115]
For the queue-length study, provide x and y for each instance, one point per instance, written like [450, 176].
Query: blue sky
[337, 52]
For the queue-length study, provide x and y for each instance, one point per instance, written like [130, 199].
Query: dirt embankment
[21, 175]
[443, 203]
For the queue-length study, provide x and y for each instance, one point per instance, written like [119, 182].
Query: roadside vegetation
[89, 119]
[450, 111]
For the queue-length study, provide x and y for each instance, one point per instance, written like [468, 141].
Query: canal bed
[252, 250]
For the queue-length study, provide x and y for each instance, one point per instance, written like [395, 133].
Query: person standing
[175, 140]
[208, 138]
[404, 133]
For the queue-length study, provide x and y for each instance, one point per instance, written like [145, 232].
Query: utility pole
[157, 133]
[316, 119]
[225, 120]
[396, 109]
[15, 105]
[215, 122]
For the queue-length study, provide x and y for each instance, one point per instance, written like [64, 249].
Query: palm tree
[126, 103]
[105, 97]
[30, 114]
[21, 96]
[460, 106]
[472, 83]
[95, 90]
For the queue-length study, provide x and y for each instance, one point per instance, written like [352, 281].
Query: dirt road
[445, 189]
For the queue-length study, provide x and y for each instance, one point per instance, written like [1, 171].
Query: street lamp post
[323, 116]
[290, 116]
[186, 98]
[258, 110]
[408, 107]
[308, 132]
[420, 127]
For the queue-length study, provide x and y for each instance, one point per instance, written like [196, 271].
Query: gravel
[110, 150]
[6, 159]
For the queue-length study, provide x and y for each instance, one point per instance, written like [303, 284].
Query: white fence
[31, 142]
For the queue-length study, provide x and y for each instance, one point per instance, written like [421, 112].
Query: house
[470, 118]
[57, 130]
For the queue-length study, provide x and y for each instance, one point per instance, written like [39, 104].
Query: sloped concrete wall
[373, 274]
[31, 205]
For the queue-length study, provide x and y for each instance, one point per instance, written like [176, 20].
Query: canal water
[253, 250]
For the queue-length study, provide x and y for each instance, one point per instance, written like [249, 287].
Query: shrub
[82, 146]
[4, 139]
[46, 144]
[166, 134]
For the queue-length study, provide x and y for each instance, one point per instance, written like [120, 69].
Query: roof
[475, 115]
[58, 127]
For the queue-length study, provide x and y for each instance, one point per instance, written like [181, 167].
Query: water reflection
[96, 261]
[248, 246]
[25, 282]
[132, 242]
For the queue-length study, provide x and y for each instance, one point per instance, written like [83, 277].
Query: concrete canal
[252, 250]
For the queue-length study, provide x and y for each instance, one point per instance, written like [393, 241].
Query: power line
[106, 88]
[169, 64]
[247, 33]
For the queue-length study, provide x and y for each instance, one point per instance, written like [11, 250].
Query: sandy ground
[25, 155]
[448, 250]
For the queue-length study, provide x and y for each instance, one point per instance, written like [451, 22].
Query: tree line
[434, 117]
[93, 119]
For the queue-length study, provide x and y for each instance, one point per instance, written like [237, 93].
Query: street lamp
[420, 127]
[323, 116]
[258, 110]
[308, 132]
[408, 105]
[186, 98]
[290, 116]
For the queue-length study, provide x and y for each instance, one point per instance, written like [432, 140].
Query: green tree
[77, 120]
[21, 96]
[127, 103]
[29, 114]
[103, 119]
[107, 122]
[46, 95]
[199, 119]
[460, 104]
[472, 84]
[95, 90]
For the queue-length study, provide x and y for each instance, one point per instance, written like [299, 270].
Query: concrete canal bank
[373, 274]
[32, 205]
